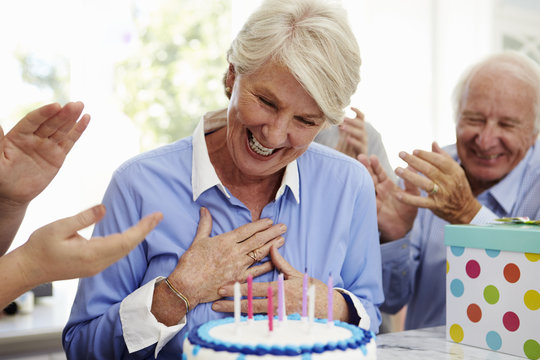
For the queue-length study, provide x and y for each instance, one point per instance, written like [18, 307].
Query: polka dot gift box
[493, 287]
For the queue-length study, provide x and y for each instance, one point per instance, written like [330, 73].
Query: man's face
[495, 128]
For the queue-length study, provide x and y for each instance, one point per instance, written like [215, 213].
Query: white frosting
[284, 333]
[289, 332]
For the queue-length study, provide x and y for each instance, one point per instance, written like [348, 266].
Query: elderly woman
[247, 194]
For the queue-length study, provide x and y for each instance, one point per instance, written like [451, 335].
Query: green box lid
[514, 237]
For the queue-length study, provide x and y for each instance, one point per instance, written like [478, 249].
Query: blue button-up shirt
[414, 268]
[327, 201]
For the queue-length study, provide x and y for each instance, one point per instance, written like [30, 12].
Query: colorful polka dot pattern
[488, 287]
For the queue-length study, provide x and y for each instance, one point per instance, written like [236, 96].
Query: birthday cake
[293, 338]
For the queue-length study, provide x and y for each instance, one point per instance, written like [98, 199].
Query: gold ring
[435, 189]
[251, 254]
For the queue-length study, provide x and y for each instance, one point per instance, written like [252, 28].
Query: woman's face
[271, 120]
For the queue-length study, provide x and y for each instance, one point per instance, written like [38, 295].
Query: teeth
[257, 147]
[488, 157]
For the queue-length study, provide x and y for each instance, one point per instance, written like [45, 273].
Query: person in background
[356, 136]
[353, 137]
[32, 153]
[249, 176]
[492, 171]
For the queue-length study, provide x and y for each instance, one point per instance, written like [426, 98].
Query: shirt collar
[506, 190]
[205, 176]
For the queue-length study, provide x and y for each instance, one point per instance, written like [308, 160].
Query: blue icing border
[199, 337]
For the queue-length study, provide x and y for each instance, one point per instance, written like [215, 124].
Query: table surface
[430, 343]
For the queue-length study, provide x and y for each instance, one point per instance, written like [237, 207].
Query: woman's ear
[231, 74]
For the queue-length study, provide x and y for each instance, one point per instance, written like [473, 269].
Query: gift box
[493, 287]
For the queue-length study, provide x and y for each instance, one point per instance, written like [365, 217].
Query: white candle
[237, 298]
[311, 303]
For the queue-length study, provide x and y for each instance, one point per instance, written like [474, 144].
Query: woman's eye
[306, 122]
[266, 102]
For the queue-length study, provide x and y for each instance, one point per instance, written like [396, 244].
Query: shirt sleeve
[484, 216]
[140, 327]
[361, 313]
[396, 268]
[361, 270]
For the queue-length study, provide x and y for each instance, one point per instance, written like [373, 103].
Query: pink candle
[304, 295]
[280, 297]
[250, 296]
[330, 299]
[270, 310]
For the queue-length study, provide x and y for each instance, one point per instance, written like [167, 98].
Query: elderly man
[492, 171]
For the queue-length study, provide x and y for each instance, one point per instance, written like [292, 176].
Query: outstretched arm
[57, 252]
[30, 156]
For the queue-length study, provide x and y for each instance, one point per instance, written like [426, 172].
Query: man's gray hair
[312, 38]
[514, 64]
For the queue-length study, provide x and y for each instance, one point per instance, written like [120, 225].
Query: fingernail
[399, 171]
[216, 306]
[281, 241]
[283, 228]
[402, 154]
[222, 292]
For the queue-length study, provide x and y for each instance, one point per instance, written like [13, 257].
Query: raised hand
[395, 218]
[353, 139]
[443, 179]
[57, 252]
[30, 156]
[34, 150]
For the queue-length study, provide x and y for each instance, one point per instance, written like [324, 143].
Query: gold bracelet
[178, 293]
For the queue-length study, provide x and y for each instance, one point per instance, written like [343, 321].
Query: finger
[262, 237]
[34, 119]
[378, 169]
[71, 113]
[65, 118]
[264, 250]
[416, 200]
[75, 133]
[425, 162]
[359, 114]
[415, 179]
[260, 268]
[359, 144]
[204, 228]
[111, 248]
[283, 265]
[259, 306]
[70, 225]
[244, 232]
[438, 161]
[138, 232]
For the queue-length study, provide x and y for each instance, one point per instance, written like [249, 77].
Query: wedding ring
[251, 254]
[435, 189]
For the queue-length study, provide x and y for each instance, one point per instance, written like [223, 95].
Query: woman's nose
[276, 132]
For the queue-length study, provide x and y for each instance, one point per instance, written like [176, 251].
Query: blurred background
[147, 71]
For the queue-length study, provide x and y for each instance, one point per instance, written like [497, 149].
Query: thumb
[68, 226]
[437, 149]
[282, 265]
[205, 224]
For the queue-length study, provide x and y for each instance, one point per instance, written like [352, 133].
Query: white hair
[312, 38]
[513, 64]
